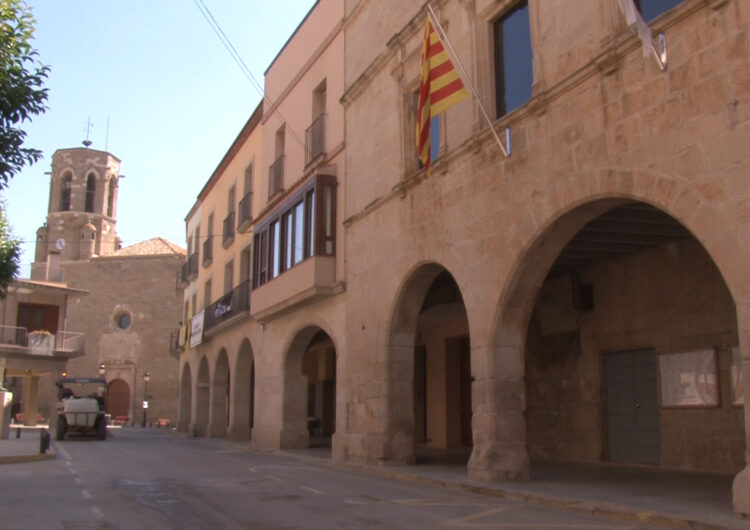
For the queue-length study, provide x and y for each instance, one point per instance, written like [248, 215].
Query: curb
[27, 458]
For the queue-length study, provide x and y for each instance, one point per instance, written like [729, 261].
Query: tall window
[276, 170]
[230, 199]
[650, 9]
[65, 192]
[315, 134]
[207, 293]
[228, 276]
[245, 264]
[513, 69]
[245, 212]
[90, 192]
[208, 244]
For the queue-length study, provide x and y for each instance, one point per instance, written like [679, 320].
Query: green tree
[21, 92]
[10, 253]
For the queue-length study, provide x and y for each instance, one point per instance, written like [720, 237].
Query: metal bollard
[43, 441]
[18, 432]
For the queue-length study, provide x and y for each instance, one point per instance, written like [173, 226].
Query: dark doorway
[632, 407]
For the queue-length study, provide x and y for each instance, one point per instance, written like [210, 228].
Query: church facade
[134, 298]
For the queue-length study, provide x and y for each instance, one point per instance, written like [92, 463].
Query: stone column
[30, 400]
[498, 422]
[741, 485]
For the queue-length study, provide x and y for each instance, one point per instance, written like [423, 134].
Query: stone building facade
[583, 300]
[134, 297]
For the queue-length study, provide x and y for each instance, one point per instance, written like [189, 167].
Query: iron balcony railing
[190, 268]
[69, 341]
[232, 304]
[228, 228]
[245, 212]
[208, 250]
[64, 341]
[315, 139]
[14, 336]
[276, 177]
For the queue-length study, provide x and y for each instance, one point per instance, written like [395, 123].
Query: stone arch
[418, 350]
[500, 451]
[309, 370]
[186, 393]
[220, 392]
[242, 401]
[202, 399]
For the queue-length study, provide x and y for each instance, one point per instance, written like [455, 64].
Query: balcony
[69, 342]
[228, 308]
[312, 279]
[315, 139]
[228, 230]
[276, 177]
[14, 338]
[246, 213]
[208, 251]
[190, 268]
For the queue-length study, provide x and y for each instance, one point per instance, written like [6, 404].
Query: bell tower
[82, 211]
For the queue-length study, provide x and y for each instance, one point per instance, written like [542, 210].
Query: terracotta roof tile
[151, 247]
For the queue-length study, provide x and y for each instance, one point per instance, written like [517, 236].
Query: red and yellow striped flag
[439, 88]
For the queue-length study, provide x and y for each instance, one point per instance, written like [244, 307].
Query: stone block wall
[672, 299]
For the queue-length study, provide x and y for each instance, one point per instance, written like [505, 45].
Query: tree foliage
[10, 253]
[22, 94]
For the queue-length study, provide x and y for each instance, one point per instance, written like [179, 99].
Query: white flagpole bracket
[661, 54]
[507, 141]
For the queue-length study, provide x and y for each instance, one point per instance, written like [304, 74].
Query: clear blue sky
[174, 97]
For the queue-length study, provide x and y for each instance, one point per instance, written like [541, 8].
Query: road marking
[312, 490]
[62, 451]
[86, 494]
[277, 479]
[98, 512]
[78, 481]
[72, 471]
[473, 521]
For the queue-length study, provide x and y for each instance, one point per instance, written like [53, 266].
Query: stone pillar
[217, 415]
[741, 485]
[5, 401]
[398, 443]
[498, 421]
[30, 400]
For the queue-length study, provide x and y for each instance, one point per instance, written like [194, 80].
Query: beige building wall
[604, 126]
[303, 303]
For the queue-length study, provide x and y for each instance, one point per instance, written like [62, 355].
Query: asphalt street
[151, 479]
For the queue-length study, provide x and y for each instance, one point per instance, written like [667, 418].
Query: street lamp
[102, 370]
[146, 378]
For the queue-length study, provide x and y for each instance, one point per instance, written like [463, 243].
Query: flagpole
[465, 77]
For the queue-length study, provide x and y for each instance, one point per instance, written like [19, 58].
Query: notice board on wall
[689, 379]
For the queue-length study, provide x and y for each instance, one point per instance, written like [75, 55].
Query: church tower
[82, 211]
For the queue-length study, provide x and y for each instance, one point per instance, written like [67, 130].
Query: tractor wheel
[60, 429]
[101, 428]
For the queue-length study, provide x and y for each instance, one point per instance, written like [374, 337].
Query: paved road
[150, 479]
